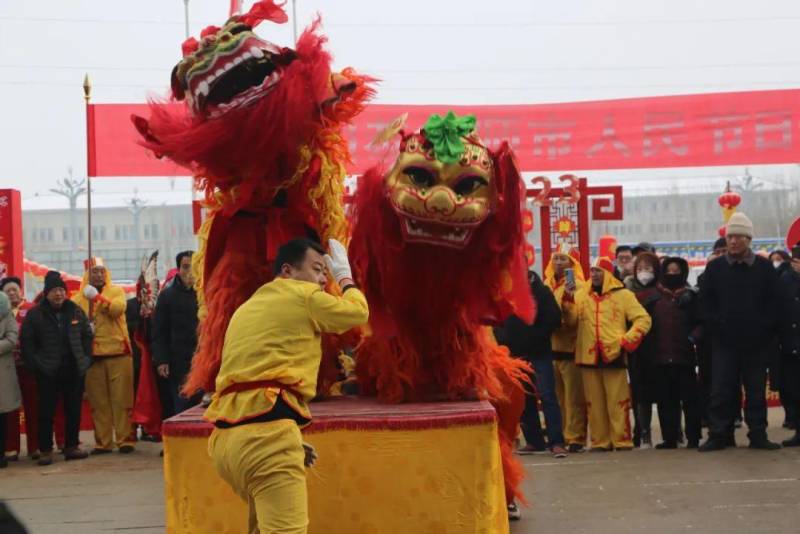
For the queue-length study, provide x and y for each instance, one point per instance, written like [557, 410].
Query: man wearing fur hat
[109, 382]
[739, 298]
[56, 346]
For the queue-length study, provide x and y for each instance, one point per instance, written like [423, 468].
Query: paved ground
[623, 492]
[110, 493]
[675, 491]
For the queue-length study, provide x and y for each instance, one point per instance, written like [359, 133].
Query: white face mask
[777, 264]
[645, 277]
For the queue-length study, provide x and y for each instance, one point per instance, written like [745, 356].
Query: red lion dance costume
[261, 133]
[438, 248]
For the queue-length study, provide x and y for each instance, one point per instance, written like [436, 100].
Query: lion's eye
[469, 184]
[421, 176]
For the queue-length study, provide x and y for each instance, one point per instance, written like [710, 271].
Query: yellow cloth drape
[434, 481]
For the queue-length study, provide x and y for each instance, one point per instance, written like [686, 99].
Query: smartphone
[796, 252]
[569, 275]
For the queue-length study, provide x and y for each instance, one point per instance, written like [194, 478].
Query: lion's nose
[441, 200]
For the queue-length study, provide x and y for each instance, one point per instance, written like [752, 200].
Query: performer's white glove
[338, 264]
[90, 292]
[311, 454]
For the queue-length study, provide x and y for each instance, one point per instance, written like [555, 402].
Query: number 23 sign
[564, 212]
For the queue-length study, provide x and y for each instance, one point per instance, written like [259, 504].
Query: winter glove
[338, 264]
[90, 292]
[311, 455]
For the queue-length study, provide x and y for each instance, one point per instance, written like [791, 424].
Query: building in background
[121, 235]
[698, 217]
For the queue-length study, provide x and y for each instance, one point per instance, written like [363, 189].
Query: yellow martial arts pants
[109, 387]
[609, 401]
[263, 463]
[569, 390]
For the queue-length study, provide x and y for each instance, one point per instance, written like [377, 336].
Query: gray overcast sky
[454, 51]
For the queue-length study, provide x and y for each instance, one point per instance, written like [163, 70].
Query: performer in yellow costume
[604, 310]
[270, 360]
[109, 381]
[569, 386]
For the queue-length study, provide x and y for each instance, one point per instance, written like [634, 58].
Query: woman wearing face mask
[671, 354]
[643, 284]
[780, 260]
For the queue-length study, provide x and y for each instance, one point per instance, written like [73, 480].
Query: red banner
[11, 234]
[671, 131]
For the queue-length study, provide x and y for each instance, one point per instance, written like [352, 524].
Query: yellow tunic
[276, 336]
[603, 320]
[108, 314]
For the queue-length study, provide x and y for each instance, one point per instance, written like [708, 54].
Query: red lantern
[527, 221]
[723, 230]
[530, 254]
[729, 199]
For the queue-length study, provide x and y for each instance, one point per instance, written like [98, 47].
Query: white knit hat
[739, 224]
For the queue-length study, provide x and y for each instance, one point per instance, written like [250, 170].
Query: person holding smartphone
[564, 276]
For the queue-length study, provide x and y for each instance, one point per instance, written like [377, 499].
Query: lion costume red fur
[261, 133]
[438, 248]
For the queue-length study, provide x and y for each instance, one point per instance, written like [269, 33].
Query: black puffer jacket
[175, 327]
[532, 341]
[739, 303]
[789, 322]
[42, 343]
[676, 319]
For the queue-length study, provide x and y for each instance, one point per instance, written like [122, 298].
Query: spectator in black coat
[670, 354]
[789, 328]
[57, 346]
[175, 331]
[532, 343]
[739, 296]
[782, 262]
[703, 345]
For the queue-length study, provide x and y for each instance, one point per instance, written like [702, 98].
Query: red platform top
[357, 413]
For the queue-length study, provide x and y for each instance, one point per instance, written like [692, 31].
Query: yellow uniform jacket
[563, 339]
[275, 337]
[107, 312]
[603, 321]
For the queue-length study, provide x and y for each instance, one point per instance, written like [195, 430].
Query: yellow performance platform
[429, 468]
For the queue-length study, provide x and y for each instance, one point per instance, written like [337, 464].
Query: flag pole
[87, 95]
[294, 20]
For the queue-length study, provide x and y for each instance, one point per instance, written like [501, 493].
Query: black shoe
[666, 445]
[792, 442]
[574, 448]
[126, 449]
[712, 444]
[730, 441]
[45, 458]
[97, 451]
[13, 457]
[3, 463]
[693, 444]
[514, 513]
[764, 444]
[74, 453]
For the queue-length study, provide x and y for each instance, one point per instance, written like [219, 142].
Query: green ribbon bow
[445, 135]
